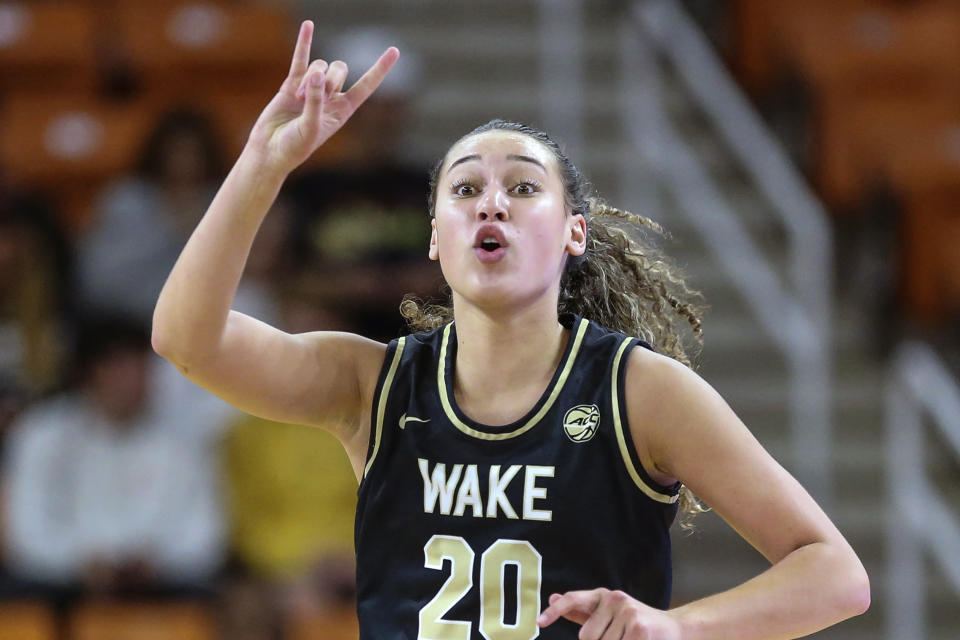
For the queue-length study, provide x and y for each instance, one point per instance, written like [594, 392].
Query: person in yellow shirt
[291, 495]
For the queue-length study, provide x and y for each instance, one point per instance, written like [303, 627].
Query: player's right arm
[320, 378]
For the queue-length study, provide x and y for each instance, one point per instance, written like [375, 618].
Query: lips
[489, 237]
[489, 244]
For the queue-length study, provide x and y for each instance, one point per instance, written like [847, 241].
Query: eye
[464, 188]
[527, 188]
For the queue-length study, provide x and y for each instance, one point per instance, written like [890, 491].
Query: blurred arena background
[803, 154]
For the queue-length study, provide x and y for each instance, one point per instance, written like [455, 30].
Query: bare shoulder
[669, 404]
[684, 430]
[666, 383]
[662, 396]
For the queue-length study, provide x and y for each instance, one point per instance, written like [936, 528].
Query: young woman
[519, 466]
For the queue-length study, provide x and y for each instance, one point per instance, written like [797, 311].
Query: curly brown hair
[622, 281]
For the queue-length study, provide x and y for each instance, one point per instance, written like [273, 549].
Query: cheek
[550, 234]
[446, 242]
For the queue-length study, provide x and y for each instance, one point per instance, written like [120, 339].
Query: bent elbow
[164, 345]
[160, 341]
[857, 591]
[860, 597]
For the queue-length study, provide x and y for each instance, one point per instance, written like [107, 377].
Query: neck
[508, 355]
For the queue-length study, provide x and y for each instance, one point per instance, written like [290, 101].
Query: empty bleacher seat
[755, 29]
[854, 58]
[883, 47]
[856, 136]
[27, 621]
[338, 624]
[47, 46]
[930, 261]
[925, 173]
[69, 144]
[142, 621]
[185, 46]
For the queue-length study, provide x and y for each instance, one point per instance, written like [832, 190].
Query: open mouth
[490, 244]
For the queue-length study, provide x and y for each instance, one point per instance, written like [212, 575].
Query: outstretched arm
[316, 378]
[683, 429]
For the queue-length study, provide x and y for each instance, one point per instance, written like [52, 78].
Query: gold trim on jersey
[621, 439]
[459, 424]
[382, 403]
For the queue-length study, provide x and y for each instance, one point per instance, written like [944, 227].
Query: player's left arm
[683, 429]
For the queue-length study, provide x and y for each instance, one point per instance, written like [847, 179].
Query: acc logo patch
[580, 423]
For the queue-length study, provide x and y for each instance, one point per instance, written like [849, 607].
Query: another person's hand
[610, 615]
[311, 105]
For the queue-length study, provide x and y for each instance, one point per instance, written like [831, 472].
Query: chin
[500, 296]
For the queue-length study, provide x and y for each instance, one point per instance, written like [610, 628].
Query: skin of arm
[319, 378]
[683, 429]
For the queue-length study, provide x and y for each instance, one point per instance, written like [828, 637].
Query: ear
[577, 240]
[434, 252]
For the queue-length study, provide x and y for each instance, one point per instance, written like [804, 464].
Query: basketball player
[520, 466]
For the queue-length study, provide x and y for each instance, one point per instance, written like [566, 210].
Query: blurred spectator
[142, 222]
[34, 271]
[292, 495]
[111, 488]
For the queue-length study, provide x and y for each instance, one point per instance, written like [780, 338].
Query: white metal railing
[796, 314]
[919, 519]
[561, 70]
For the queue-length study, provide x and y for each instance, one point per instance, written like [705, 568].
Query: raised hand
[311, 105]
[604, 614]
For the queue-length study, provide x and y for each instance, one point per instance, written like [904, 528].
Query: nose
[494, 204]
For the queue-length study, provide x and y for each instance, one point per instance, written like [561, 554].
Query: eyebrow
[512, 156]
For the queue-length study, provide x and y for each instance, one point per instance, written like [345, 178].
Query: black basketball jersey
[463, 530]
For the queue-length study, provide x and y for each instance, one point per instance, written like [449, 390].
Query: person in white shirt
[114, 487]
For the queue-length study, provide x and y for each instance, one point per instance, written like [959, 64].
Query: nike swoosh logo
[404, 420]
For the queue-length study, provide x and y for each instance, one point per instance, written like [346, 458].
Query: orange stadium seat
[855, 137]
[930, 260]
[185, 46]
[853, 59]
[47, 46]
[927, 158]
[925, 172]
[69, 145]
[27, 621]
[755, 30]
[340, 624]
[142, 621]
[886, 47]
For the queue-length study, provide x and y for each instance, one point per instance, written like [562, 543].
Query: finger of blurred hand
[301, 53]
[572, 605]
[336, 76]
[367, 84]
[315, 67]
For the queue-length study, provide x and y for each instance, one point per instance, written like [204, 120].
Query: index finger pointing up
[301, 54]
[367, 84]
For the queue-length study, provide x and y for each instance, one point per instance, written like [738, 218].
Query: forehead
[498, 144]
